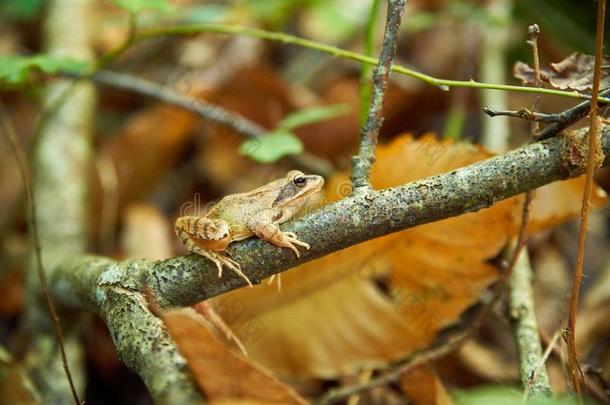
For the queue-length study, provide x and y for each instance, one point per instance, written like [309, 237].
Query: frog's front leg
[262, 226]
[208, 237]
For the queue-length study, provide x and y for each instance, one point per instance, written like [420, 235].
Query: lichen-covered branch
[105, 286]
[185, 280]
[534, 376]
[361, 164]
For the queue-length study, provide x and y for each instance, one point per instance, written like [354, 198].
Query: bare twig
[533, 31]
[365, 69]
[558, 122]
[569, 117]
[208, 111]
[443, 84]
[11, 136]
[362, 163]
[575, 371]
[523, 113]
[185, 280]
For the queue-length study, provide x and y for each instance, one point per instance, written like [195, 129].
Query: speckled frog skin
[255, 213]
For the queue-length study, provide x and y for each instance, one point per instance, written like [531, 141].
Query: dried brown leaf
[382, 300]
[573, 73]
[223, 374]
[423, 386]
[330, 318]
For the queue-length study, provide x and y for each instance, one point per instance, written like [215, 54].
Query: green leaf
[271, 147]
[135, 6]
[311, 115]
[204, 13]
[22, 10]
[16, 69]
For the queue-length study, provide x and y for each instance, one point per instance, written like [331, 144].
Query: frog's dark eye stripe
[299, 181]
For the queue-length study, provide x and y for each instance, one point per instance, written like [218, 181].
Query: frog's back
[235, 210]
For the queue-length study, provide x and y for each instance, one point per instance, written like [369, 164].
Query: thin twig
[523, 113]
[533, 31]
[558, 122]
[522, 237]
[568, 117]
[208, 111]
[11, 135]
[362, 163]
[368, 49]
[443, 84]
[575, 371]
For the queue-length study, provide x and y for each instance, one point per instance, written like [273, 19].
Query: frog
[254, 213]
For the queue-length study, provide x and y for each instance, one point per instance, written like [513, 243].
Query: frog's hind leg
[207, 237]
[218, 259]
[215, 232]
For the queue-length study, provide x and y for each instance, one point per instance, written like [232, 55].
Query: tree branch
[361, 164]
[534, 376]
[185, 280]
[559, 121]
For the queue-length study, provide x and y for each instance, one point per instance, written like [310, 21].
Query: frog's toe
[295, 250]
[219, 267]
[233, 265]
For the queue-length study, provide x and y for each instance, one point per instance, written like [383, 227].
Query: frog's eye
[299, 180]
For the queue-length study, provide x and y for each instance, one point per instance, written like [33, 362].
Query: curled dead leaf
[573, 73]
[223, 374]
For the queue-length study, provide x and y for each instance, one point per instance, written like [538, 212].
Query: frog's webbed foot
[271, 233]
[220, 260]
[289, 239]
[279, 281]
[206, 237]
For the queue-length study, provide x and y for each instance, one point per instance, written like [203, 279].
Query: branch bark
[185, 280]
[534, 376]
[361, 164]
